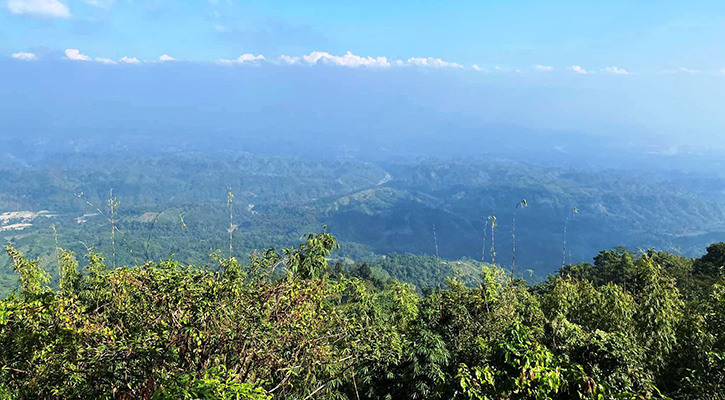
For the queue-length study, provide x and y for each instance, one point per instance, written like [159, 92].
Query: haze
[418, 79]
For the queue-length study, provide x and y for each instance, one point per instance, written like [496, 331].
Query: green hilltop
[289, 324]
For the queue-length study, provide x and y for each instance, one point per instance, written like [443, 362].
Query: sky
[638, 68]
[636, 37]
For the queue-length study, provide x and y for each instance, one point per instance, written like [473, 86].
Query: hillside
[289, 325]
[374, 208]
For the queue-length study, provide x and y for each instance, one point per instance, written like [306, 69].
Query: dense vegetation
[290, 325]
[173, 205]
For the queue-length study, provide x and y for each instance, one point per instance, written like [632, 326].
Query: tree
[712, 264]
[32, 276]
[521, 204]
[522, 368]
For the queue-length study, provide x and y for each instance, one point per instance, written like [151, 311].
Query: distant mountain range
[175, 204]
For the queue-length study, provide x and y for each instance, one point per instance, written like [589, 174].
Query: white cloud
[24, 56]
[579, 70]
[350, 60]
[507, 69]
[43, 8]
[166, 57]
[248, 57]
[75, 55]
[347, 60]
[245, 58]
[289, 60]
[479, 69]
[616, 70]
[544, 68]
[104, 60]
[129, 60]
[432, 62]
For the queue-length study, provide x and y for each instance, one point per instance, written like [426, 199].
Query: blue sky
[633, 36]
[620, 68]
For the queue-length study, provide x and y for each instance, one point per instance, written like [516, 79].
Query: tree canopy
[289, 325]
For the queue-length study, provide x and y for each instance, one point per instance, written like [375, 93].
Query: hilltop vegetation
[288, 325]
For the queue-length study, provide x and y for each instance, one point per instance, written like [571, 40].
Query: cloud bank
[347, 60]
[75, 55]
[544, 68]
[615, 70]
[24, 56]
[432, 62]
[40, 8]
[351, 60]
[244, 59]
[104, 60]
[129, 60]
[579, 70]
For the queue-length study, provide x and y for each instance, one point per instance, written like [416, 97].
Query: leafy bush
[214, 384]
[282, 327]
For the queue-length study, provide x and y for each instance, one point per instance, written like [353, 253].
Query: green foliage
[32, 276]
[288, 325]
[659, 312]
[122, 332]
[214, 384]
[521, 368]
[309, 260]
[594, 327]
[69, 275]
[174, 205]
[713, 262]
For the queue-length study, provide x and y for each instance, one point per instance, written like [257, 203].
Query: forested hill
[401, 307]
[289, 325]
[175, 204]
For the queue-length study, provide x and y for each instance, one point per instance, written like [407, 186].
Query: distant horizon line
[351, 60]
